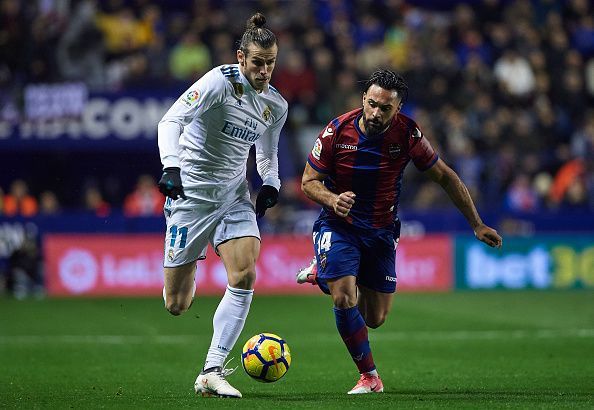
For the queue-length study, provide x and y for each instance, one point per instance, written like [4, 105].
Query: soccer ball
[266, 357]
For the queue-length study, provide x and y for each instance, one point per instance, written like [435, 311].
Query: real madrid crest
[171, 255]
[266, 114]
[238, 89]
[394, 150]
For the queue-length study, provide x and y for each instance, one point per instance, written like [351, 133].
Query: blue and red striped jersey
[370, 167]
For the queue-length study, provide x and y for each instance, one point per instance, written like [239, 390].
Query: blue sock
[353, 331]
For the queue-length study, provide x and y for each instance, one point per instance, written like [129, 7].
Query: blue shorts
[343, 250]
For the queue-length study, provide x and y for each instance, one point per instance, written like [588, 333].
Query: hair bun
[256, 21]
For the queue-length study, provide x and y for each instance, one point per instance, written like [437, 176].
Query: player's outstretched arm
[458, 193]
[314, 189]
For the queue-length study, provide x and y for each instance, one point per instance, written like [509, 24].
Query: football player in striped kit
[355, 172]
[204, 142]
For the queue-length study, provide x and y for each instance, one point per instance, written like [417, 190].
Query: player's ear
[241, 58]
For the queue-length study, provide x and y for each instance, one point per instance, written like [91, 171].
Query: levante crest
[394, 150]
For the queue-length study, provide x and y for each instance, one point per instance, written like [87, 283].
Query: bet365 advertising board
[538, 262]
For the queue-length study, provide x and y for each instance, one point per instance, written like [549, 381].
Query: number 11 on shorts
[183, 231]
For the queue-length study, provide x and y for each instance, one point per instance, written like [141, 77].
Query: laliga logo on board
[78, 271]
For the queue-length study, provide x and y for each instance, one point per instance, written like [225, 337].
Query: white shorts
[193, 223]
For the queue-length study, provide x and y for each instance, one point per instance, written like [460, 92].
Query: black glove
[267, 198]
[170, 184]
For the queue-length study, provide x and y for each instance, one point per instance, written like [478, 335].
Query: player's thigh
[377, 270]
[374, 306]
[343, 291]
[377, 277]
[239, 256]
[180, 280]
[236, 239]
[179, 288]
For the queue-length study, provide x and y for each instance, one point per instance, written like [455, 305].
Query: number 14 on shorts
[322, 242]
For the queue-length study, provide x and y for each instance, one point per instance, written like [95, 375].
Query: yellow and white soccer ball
[266, 357]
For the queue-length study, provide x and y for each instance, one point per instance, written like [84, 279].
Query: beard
[373, 127]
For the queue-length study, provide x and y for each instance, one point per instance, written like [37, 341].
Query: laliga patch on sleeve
[191, 98]
[317, 149]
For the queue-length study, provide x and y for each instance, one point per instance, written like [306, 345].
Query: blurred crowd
[503, 89]
[142, 200]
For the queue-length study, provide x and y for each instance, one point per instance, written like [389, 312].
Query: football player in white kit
[204, 143]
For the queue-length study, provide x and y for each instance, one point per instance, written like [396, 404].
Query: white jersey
[209, 130]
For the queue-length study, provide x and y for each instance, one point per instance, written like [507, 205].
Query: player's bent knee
[243, 279]
[344, 300]
[176, 308]
[375, 321]
[374, 324]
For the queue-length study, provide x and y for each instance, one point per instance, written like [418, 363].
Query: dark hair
[255, 32]
[388, 80]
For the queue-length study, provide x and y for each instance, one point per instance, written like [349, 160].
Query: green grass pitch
[457, 350]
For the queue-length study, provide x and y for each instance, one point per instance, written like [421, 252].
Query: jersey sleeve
[267, 152]
[321, 157]
[205, 93]
[421, 152]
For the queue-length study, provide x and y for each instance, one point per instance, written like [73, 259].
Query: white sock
[373, 372]
[227, 324]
